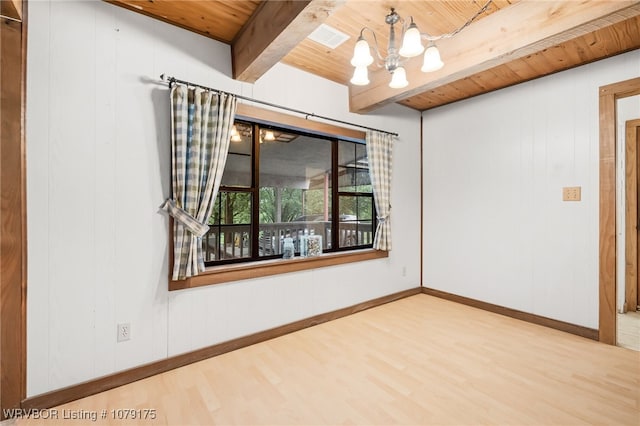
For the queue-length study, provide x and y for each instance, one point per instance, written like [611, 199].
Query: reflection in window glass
[237, 169]
[353, 168]
[279, 184]
[295, 190]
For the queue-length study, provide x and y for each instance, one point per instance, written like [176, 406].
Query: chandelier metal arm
[375, 43]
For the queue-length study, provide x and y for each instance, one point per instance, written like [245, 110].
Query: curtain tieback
[191, 223]
[382, 219]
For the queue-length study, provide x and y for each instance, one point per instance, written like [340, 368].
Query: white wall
[626, 109]
[495, 226]
[98, 168]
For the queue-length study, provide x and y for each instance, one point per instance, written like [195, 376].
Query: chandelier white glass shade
[361, 54]
[360, 76]
[411, 42]
[396, 56]
[398, 78]
[432, 61]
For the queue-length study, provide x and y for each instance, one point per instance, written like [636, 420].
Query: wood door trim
[631, 218]
[607, 220]
[631, 215]
[13, 252]
[636, 135]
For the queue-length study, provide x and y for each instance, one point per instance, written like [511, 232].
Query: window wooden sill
[226, 273]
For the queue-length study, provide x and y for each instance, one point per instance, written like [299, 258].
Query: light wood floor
[628, 333]
[419, 361]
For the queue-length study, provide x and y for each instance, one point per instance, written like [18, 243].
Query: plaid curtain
[379, 152]
[201, 122]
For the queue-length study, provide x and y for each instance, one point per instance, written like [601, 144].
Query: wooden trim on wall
[287, 120]
[264, 268]
[13, 251]
[578, 330]
[607, 244]
[631, 216]
[91, 387]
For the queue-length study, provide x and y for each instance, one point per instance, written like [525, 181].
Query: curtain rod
[172, 80]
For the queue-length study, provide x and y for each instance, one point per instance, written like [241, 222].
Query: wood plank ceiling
[512, 42]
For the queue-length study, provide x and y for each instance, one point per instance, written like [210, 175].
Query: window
[281, 183]
[355, 205]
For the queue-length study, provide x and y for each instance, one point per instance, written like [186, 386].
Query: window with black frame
[355, 205]
[281, 183]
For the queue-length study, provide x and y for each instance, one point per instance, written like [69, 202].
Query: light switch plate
[571, 193]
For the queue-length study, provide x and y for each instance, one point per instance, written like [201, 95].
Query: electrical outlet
[124, 332]
[404, 271]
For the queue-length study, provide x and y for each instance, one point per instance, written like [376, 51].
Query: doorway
[607, 219]
[628, 319]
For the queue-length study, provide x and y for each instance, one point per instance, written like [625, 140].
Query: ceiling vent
[328, 36]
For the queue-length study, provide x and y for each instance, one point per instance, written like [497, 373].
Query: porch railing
[235, 240]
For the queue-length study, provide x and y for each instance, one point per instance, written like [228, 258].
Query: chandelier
[396, 57]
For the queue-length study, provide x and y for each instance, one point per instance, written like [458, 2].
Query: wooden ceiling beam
[274, 29]
[522, 29]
